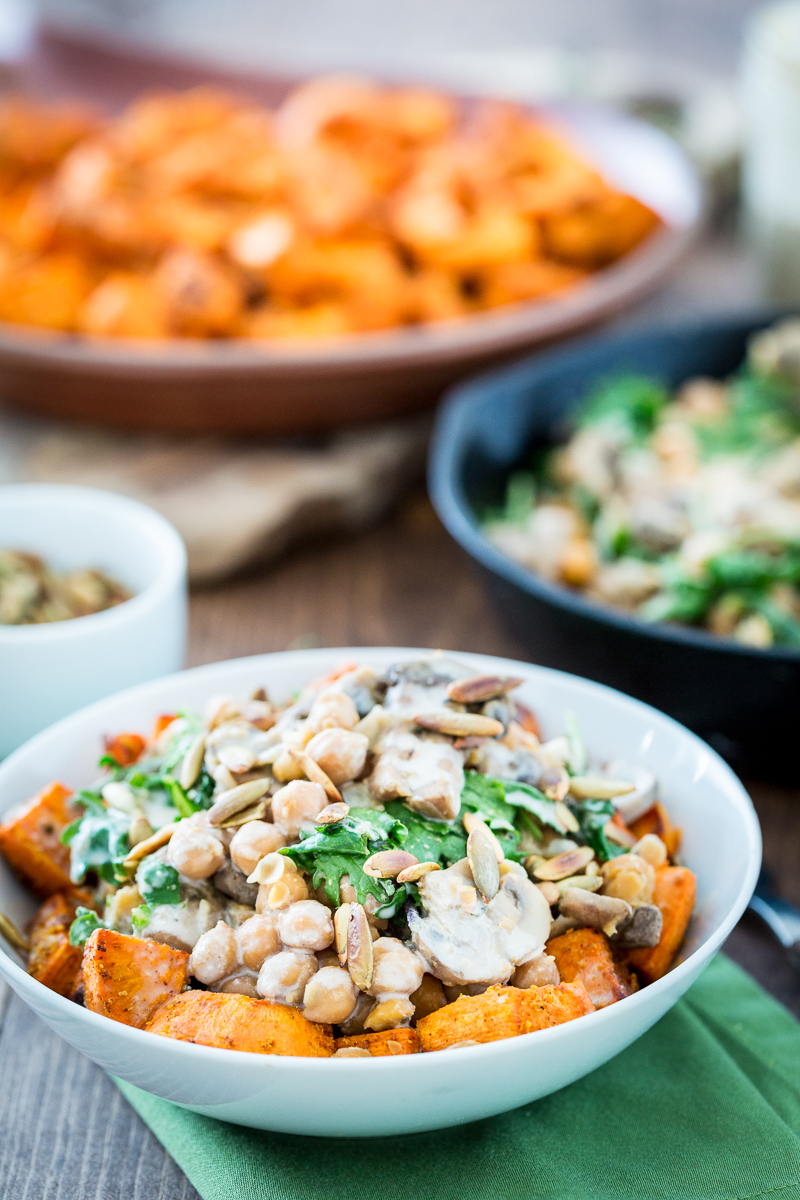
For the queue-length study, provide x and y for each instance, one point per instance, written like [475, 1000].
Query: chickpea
[428, 997]
[258, 939]
[252, 841]
[538, 972]
[651, 849]
[291, 889]
[287, 768]
[296, 805]
[194, 850]
[341, 753]
[629, 877]
[395, 968]
[215, 955]
[306, 925]
[332, 710]
[330, 996]
[388, 1014]
[283, 977]
[241, 985]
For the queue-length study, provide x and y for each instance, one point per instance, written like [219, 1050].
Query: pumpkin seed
[236, 799]
[416, 871]
[149, 845]
[387, 864]
[593, 787]
[12, 935]
[478, 688]
[341, 920]
[256, 812]
[473, 821]
[459, 724]
[483, 864]
[570, 863]
[192, 762]
[332, 814]
[359, 948]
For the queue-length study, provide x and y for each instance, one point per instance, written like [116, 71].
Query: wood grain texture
[67, 1134]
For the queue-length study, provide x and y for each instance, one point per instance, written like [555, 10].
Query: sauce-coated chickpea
[539, 972]
[332, 710]
[306, 925]
[330, 996]
[241, 985]
[396, 969]
[258, 939]
[215, 955]
[297, 804]
[194, 850]
[283, 978]
[252, 841]
[629, 877]
[341, 753]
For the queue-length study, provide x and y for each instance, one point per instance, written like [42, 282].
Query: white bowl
[353, 1097]
[47, 671]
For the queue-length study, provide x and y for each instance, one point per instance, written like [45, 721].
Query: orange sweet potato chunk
[380, 1045]
[503, 1012]
[585, 955]
[52, 960]
[128, 978]
[233, 1022]
[674, 894]
[30, 841]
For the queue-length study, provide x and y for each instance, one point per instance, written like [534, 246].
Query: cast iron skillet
[745, 702]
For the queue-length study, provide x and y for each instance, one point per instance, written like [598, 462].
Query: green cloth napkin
[706, 1105]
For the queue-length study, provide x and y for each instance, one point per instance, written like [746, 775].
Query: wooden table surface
[65, 1131]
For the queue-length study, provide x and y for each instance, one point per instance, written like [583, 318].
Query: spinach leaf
[98, 843]
[486, 796]
[593, 815]
[634, 401]
[84, 925]
[534, 802]
[158, 882]
[332, 851]
[140, 917]
[430, 841]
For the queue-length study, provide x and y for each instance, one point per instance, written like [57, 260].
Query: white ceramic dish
[47, 671]
[353, 1097]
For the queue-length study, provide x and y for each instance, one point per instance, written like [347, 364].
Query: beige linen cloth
[234, 503]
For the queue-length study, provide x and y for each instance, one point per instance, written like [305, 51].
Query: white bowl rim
[211, 1054]
[161, 533]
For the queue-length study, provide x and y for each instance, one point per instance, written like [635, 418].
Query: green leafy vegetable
[578, 758]
[158, 882]
[430, 841]
[83, 926]
[342, 849]
[486, 797]
[140, 917]
[593, 816]
[98, 842]
[632, 400]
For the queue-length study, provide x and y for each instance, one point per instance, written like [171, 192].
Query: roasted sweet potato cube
[52, 960]
[233, 1022]
[387, 1042]
[585, 955]
[128, 978]
[674, 894]
[502, 1012]
[656, 820]
[125, 748]
[30, 840]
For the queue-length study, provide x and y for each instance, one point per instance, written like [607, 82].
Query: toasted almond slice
[459, 724]
[473, 821]
[413, 873]
[256, 812]
[622, 837]
[192, 762]
[236, 799]
[12, 935]
[315, 773]
[586, 883]
[359, 948]
[571, 862]
[332, 814]
[483, 864]
[478, 688]
[594, 787]
[341, 921]
[387, 864]
[150, 845]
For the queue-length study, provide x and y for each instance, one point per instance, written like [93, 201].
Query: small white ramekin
[48, 671]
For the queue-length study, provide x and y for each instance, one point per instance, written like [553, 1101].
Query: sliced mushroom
[426, 772]
[642, 929]
[232, 882]
[593, 910]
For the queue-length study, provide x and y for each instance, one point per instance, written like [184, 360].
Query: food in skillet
[31, 593]
[392, 863]
[682, 507]
[351, 207]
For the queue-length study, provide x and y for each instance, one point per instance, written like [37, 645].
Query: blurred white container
[771, 183]
[48, 671]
